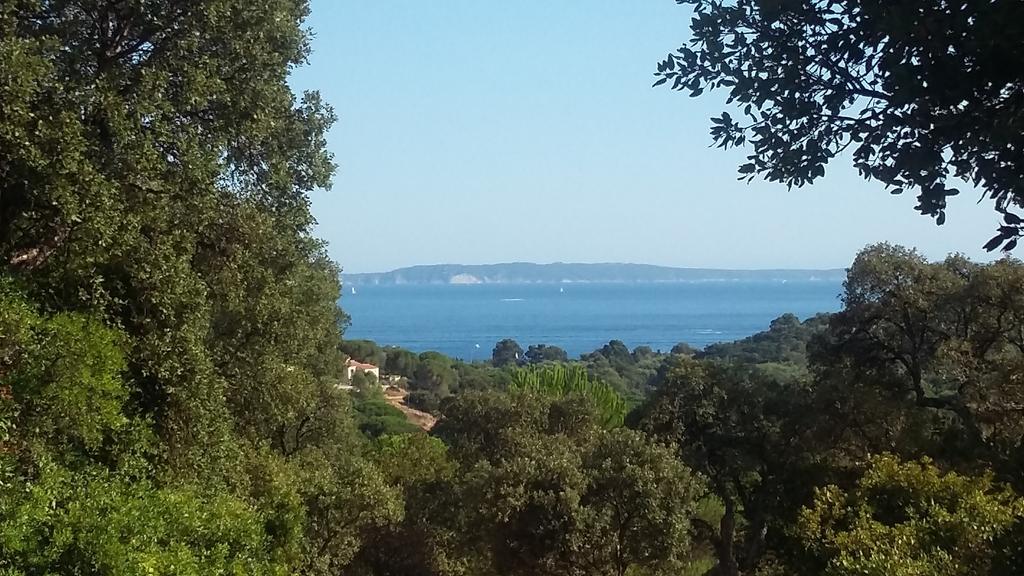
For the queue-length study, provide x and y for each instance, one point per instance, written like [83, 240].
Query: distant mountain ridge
[559, 272]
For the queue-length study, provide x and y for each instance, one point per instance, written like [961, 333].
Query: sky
[479, 131]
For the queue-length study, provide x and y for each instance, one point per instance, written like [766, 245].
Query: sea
[465, 321]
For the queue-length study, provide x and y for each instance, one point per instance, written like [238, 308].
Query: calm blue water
[455, 319]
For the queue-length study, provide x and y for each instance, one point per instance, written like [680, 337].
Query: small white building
[352, 366]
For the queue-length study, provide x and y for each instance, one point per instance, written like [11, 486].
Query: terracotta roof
[356, 364]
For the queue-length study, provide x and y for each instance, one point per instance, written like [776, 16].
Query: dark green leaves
[923, 91]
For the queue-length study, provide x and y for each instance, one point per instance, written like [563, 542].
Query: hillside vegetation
[172, 357]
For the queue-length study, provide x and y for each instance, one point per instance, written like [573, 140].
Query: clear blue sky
[479, 131]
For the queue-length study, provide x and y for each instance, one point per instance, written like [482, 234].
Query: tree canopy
[172, 352]
[506, 352]
[170, 326]
[917, 94]
[547, 490]
[910, 518]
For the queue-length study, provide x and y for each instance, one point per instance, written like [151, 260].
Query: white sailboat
[353, 290]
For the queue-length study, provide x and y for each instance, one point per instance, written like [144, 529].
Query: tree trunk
[727, 565]
[754, 540]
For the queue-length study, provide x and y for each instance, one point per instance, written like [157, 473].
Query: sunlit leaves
[560, 380]
[910, 519]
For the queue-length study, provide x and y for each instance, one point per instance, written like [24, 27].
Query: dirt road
[396, 397]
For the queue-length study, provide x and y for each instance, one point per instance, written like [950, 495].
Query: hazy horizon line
[555, 263]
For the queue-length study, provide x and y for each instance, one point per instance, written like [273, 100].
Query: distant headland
[559, 272]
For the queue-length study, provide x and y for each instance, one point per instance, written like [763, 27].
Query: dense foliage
[169, 326]
[923, 361]
[549, 491]
[559, 381]
[910, 518]
[172, 398]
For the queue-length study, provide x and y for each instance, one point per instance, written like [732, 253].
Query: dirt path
[396, 397]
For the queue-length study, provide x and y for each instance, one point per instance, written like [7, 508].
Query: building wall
[351, 370]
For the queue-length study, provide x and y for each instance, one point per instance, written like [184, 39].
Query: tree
[482, 426]
[921, 93]
[400, 361]
[910, 519]
[506, 352]
[435, 374]
[620, 506]
[156, 170]
[753, 438]
[559, 381]
[366, 351]
[61, 379]
[365, 383]
[428, 539]
[480, 376]
[378, 418]
[113, 524]
[641, 353]
[345, 499]
[785, 341]
[627, 472]
[616, 352]
[182, 350]
[632, 374]
[930, 346]
[73, 463]
[538, 353]
[547, 491]
[683, 349]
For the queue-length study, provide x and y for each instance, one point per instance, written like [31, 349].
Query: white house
[352, 366]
